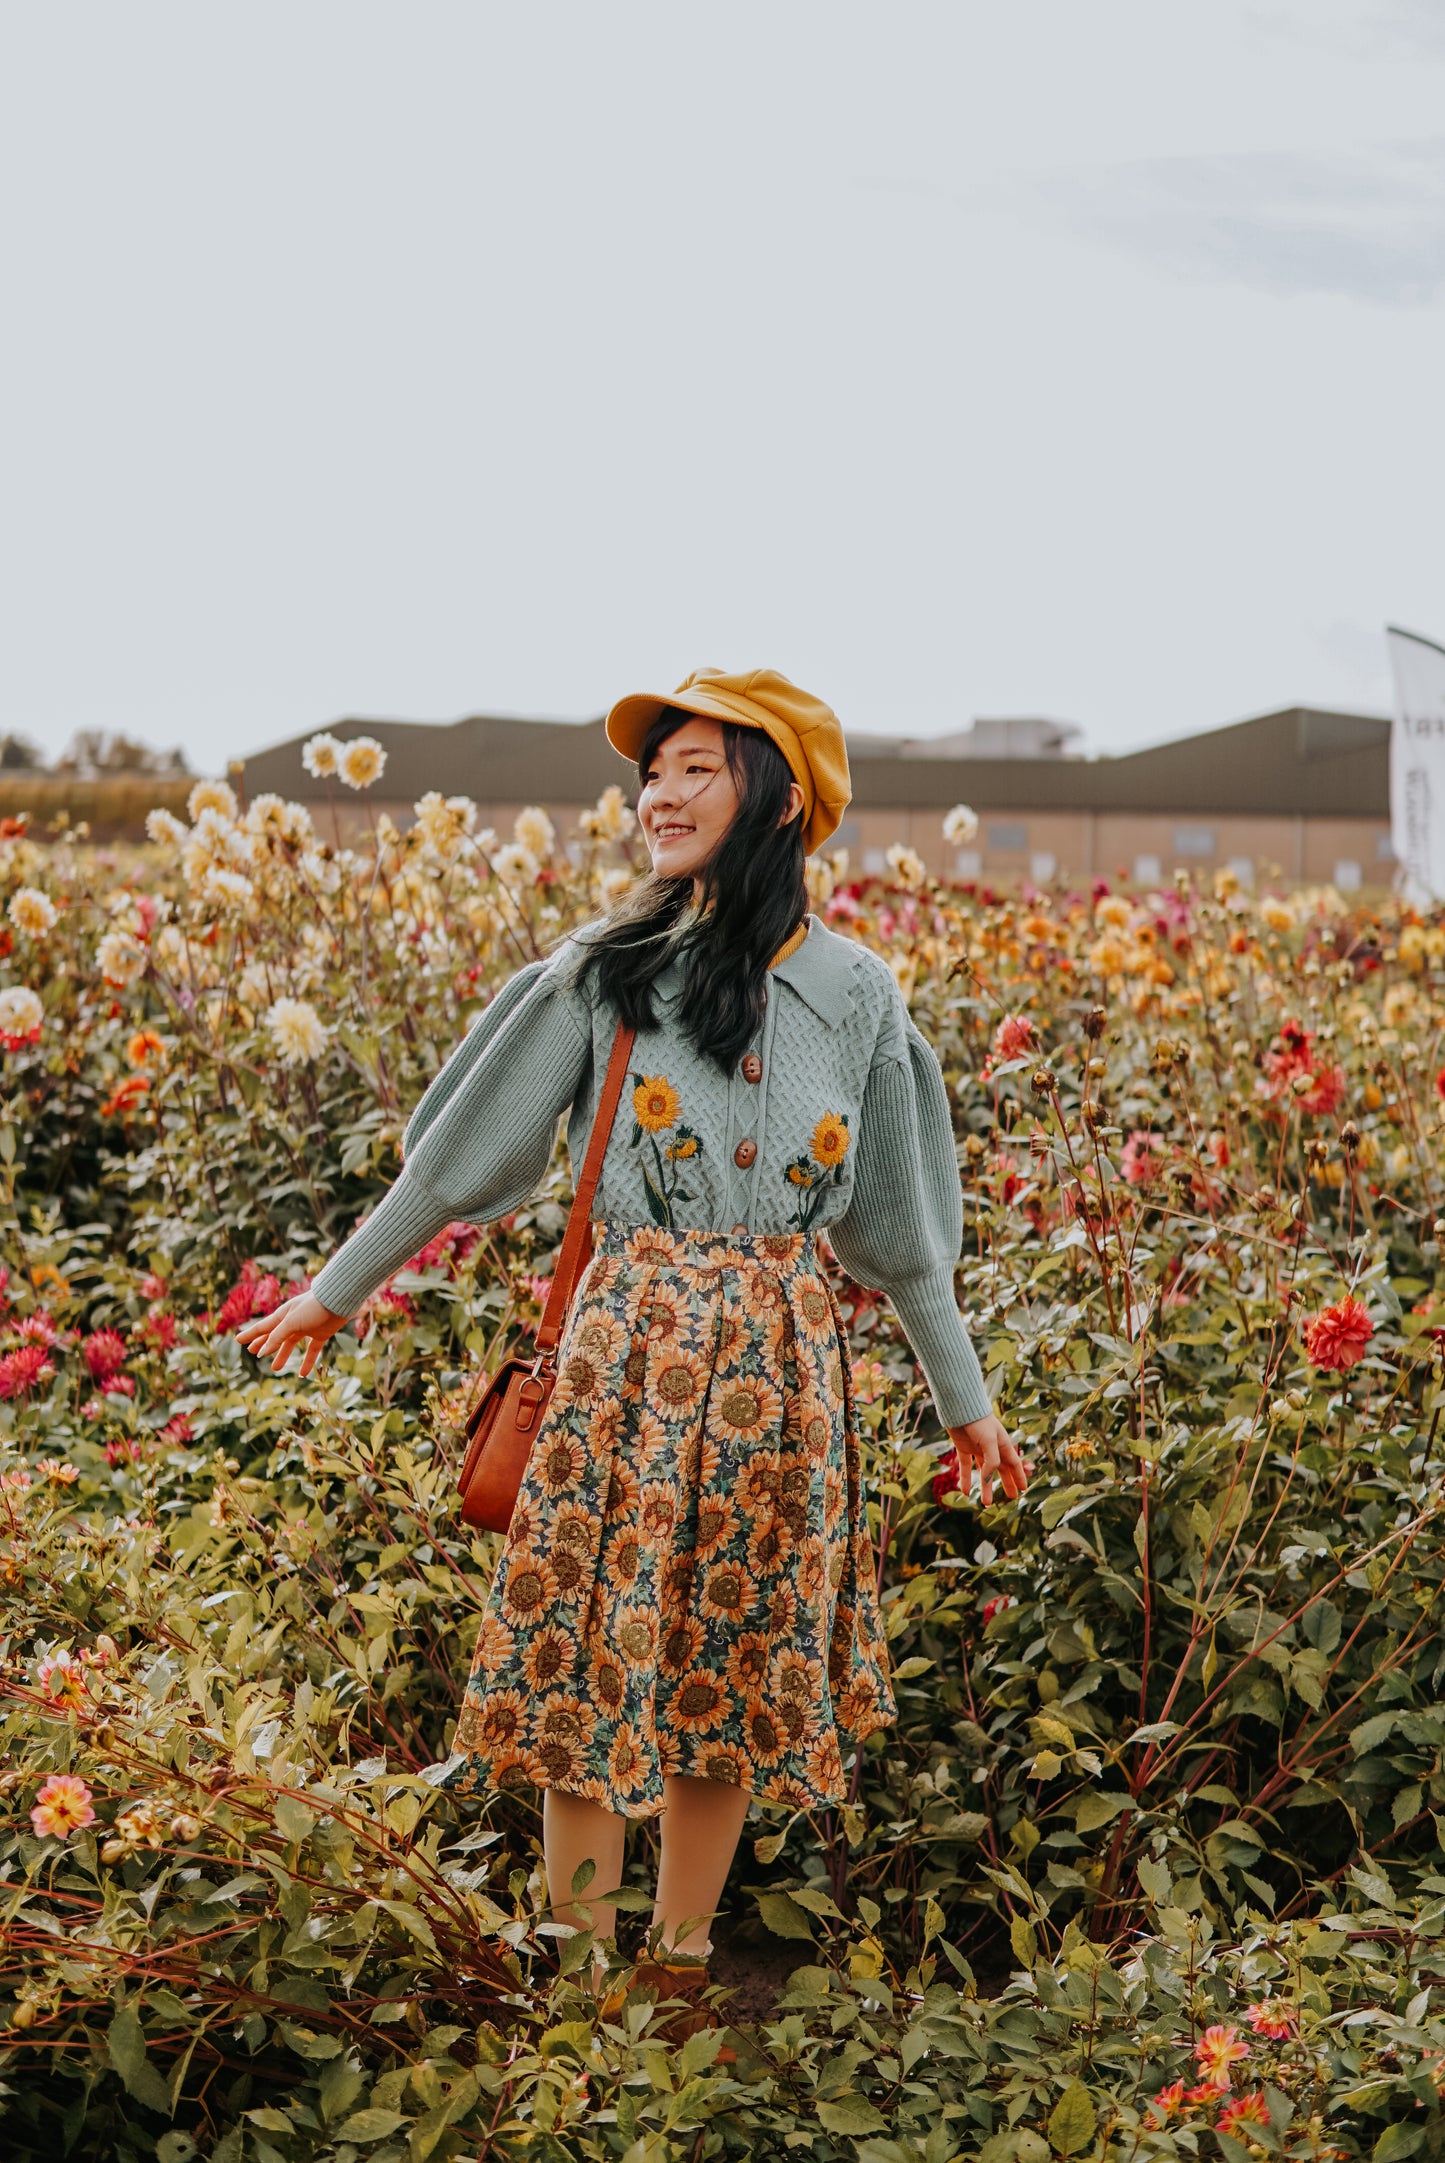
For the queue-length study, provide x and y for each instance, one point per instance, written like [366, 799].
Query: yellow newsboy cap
[808, 733]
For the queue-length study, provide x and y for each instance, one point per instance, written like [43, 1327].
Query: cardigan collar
[820, 971]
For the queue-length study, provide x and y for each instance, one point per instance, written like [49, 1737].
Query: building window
[1384, 849]
[1243, 869]
[874, 862]
[1347, 875]
[967, 863]
[1008, 836]
[1148, 871]
[1194, 841]
[1042, 866]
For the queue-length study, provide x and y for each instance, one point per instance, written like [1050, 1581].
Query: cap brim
[630, 719]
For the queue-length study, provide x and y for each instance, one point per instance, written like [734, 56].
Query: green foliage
[1169, 1745]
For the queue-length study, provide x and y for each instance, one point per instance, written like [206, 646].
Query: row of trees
[91, 755]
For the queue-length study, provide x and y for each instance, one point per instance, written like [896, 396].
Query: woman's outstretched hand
[985, 1443]
[302, 1320]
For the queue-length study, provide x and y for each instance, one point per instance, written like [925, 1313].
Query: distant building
[1303, 794]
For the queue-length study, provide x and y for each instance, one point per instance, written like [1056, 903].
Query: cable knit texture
[846, 1129]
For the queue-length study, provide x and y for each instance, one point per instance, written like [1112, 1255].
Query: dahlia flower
[906, 864]
[1272, 2018]
[321, 755]
[297, 1031]
[32, 912]
[361, 762]
[163, 826]
[62, 1807]
[21, 1016]
[1243, 2110]
[533, 831]
[120, 959]
[960, 826]
[1216, 2051]
[211, 796]
[1335, 1338]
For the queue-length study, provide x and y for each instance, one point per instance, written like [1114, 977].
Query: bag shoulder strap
[577, 1238]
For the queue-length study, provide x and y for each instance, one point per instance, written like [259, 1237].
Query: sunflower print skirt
[687, 1585]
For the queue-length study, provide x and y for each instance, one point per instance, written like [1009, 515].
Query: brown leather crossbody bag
[506, 1417]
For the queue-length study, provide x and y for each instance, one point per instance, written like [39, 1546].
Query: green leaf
[1372, 1732]
[1397, 2141]
[851, 2114]
[783, 1917]
[293, 1820]
[1021, 1937]
[126, 2044]
[816, 1903]
[367, 2125]
[1096, 1810]
[1154, 1877]
[1072, 2120]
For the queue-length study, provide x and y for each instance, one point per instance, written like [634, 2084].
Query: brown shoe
[667, 1979]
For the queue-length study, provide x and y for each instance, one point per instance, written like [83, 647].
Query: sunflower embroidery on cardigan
[819, 1167]
[656, 1109]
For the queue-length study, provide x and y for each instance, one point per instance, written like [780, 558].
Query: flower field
[1152, 1864]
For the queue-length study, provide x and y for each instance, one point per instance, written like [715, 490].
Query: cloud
[1366, 224]
[1380, 29]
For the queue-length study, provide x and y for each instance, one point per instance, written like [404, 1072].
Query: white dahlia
[297, 1031]
[164, 826]
[212, 796]
[321, 755]
[21, 1015]
[32, 912]
[120, 959]
[960, 826]
[906, 864]
[361, 762]
[534, 832]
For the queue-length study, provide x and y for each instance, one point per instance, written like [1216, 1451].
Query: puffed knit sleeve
[480, 1140]
[904, 1225]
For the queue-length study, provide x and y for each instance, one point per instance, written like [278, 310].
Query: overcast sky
[954, 358]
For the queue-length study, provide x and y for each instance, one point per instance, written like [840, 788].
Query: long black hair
[753, 897]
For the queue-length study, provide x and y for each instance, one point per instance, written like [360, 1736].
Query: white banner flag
[1417, 766]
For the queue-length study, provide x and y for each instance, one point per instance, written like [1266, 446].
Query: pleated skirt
[687, 1586]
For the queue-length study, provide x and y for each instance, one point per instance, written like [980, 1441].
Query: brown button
[745, 1152]
[752, 1068]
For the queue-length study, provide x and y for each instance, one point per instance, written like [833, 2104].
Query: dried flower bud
[1043, 1083]
[185, 1825]
[114, 1851]
[1038, 1144]
[974, 1148]
[1098, 1066]
[1094, 1022]
[1316, 1150]
[1349, 1137]
[23, 2015]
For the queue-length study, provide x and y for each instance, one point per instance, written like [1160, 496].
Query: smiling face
[689, 798]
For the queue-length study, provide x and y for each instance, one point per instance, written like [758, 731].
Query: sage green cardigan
[845, 1129]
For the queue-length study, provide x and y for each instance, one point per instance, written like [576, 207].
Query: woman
[685, 1612]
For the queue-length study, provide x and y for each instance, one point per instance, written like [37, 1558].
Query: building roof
[1302, 761]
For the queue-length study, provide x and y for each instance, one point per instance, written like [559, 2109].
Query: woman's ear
[794, 804]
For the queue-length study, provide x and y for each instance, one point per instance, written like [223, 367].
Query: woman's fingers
[995, 1455]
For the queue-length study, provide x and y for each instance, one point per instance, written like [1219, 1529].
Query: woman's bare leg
[701, 1822]
[575, 1831]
